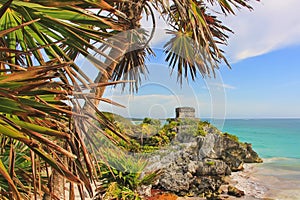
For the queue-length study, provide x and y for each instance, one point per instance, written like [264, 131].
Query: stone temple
[185, 112]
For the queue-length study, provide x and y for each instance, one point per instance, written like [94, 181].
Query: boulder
[233, 191]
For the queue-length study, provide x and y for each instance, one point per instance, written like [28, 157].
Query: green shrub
[232, 137]
[152, 134]
[149, 149]
[154, 122]
[120, 176]
[148, 129]
[169, 120]
[201, 126]
[201, 132]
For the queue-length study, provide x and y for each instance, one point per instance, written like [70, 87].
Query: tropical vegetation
[122, 177]
[45, 128]
[149, 135]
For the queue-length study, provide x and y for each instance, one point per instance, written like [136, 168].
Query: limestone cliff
[196, 165]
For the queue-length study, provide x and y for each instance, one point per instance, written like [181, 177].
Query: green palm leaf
[196, 34]
[64, 24]
[34, 112]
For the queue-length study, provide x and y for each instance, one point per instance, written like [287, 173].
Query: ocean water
[277, 141]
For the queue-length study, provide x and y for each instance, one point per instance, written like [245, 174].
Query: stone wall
[185, 112]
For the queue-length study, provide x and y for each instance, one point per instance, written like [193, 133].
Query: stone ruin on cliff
[185, 112]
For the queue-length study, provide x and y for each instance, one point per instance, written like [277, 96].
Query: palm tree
[194, 47]
[32, 118]
[39, 120]
[40, 41]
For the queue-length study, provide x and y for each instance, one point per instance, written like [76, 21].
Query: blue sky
[265, 86]
[263, 82]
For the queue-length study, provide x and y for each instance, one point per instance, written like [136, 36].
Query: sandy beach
[261, 182]
[248, 181]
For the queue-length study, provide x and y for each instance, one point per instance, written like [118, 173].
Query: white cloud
[215, 85]
[272, 25]
[227, 86]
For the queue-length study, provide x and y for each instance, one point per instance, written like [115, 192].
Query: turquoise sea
[277, 141]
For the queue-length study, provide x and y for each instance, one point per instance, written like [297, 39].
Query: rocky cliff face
[196, 165]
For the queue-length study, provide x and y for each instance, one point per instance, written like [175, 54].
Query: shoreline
[248, 182]
[260, 182]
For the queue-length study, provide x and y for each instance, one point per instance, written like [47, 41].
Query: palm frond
[197, 35]
[132, 65]
[72, 26]
[37, 111]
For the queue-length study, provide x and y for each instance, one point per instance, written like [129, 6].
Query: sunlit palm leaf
[32, 112]
[132, 65]
[226, 5]
[197, 34]
[72, 25]
[35, 121]
[14, 109]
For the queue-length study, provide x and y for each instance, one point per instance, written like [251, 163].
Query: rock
[223, 189]
[233, 191]
[215, 197]
[206, 184]
[213, 167]
[234, 153]
[176, 181]
[197, 165]
[192, 167]
[252, 156]
[191, 198]
[144, 190]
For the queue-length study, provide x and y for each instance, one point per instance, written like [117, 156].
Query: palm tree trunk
[57, 181]
[56, 187]
[117, 55]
